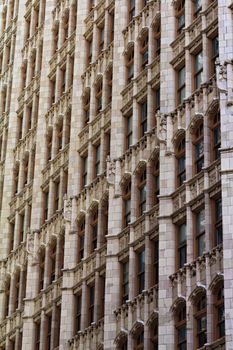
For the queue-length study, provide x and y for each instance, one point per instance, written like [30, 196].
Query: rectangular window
[85, 162]
[97, 160]
[91, 303]
[218, 221]
[78, 298]
[101, 39]
[49, 331]
[198, 70]
[156, 262]
[197, 7]
[215, 53]
[143, 118]
[131, 9]
[199, 149]
[141, 271]
[182, 245]
[94, 231]
[200, 232]
[181, 85]
[37, 335]
[142, 193]
[129, 131]
[125, 284]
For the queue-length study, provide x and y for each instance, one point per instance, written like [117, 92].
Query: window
[144, 51]
[16, 178]
[127, 204]
[97, 160]
[7, 299]
[42, 267]
[66, 26]
[218, 221]
[199, 149]
[201, 322]
[157, 38]
[216, 136]
[129, 131]
[49, 331]
[17, 284]
[101, 39]
[182, 245]
[219, 313]
[94, 230]
[78, 298]
[53, 251]
[157, 99]
[37, 335]
[130, 65]
[131, 9]
[56, 195]
[143, 125]
[181, 328]
[215, 53]
[198, 70]
[21, 226]
[156, 181]
[180, 16]
[180, 156]
[89, 50]
[139, 341]
[125, 281]
[86, 107]
[197, 7]
[46, 205]
[59, 136]
[200, 232]
[49, 146]
[91, 303]
[98, 96]
[141, 271]
[124, 345]
[52, 91]
[181, 85]
[81, 238]
[142, 192]
[155, 336]
[156, 261]
[84, 177]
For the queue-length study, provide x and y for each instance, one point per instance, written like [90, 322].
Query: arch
[178, 302]
[178, 135]
[81, 215]
[195, 121]
[213, 107]
[154, 154]
[121, 337]
[125, 179]
[152, 318]
[137, 327]
[140, 167]
[93, 206]
[198, 290]
[218, 278]
[129, 47]
[98, 79]
[144, 31]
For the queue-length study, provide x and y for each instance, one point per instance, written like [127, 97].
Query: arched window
[16, 287]
[198, 148]
[180, 157]
[200, 321]
[155, 335]
[7, 299]
[219, 319]
[180, 324]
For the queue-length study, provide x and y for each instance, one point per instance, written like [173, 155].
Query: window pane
[181, 77]
[201, 244]
[201, 221]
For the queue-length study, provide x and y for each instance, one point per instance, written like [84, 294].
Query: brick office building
[116, 174]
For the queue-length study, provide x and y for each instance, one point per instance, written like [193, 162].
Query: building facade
[116, 174]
